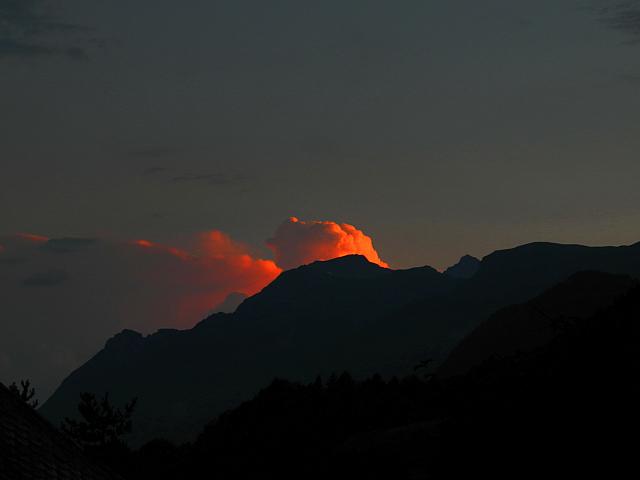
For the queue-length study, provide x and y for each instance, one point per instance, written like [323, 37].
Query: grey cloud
[631, 78]
[49, 278]
[153, 170]
[28, 30]
[32, 16]
[68, 245]
[153, 152]
[323, 146]
[11, 47]
[216, 179]
[12, 260]
[623, 16]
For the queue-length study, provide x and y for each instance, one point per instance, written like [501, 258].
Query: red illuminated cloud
[217, 266]
[233, 263]
[205, 276]
[21, 240]
[297, 242]
[149, 285]
[161, 248]
[32, 237]
[110, 285]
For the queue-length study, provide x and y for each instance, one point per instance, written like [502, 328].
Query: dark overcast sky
[440, 128]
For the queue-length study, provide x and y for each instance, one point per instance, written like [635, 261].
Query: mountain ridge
[523, 327]
[342, 314]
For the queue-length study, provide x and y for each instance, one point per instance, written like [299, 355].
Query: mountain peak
[346, 266]
[125, 340]
[466, 267]
[352, 257]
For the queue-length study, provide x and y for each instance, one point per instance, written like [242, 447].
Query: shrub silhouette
[24, 392]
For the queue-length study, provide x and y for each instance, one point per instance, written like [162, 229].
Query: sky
[435, 129]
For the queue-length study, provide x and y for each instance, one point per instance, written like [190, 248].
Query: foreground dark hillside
[568, 407]
[343, 314]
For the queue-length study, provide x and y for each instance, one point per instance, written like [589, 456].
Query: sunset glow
[143, 243]
[171, 250]
[298, 242]
[177, 286]
[32, 237]
[216, 265]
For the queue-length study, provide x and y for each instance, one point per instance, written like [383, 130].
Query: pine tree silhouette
[24, 392]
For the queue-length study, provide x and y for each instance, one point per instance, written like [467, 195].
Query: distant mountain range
[525, 327]
[342, 314]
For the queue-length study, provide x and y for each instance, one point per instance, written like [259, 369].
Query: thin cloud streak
[29, 30]
[623, 16]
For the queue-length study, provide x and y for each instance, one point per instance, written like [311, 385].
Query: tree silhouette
[24, 392]
[102, 425]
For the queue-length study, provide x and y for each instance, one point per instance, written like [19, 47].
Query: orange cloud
[155, 246]
[297, 242]
[32, 237]
[18, 241]
[217, 266]
[138, 284]
[205, 276]
[143, 243]
[150, 285]
[233, 262]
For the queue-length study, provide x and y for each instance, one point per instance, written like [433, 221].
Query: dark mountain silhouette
[467, 267]
[533, 324]
[343, 314]
[305, 323]
[537, 266]
[568, 408]
[430, 328]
